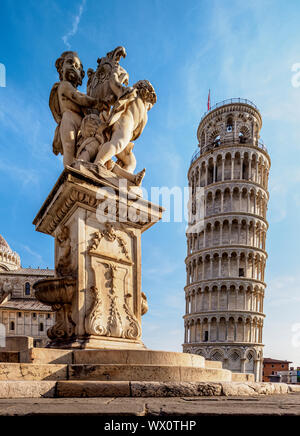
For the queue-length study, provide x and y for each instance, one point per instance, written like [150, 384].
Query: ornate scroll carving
[111, 313]
[64, 328]
[134, 331]
[93, 321]
[110, 235]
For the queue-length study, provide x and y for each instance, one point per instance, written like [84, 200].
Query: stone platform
[50, 373]
[121, 389]
[43, 372]
[115, 365]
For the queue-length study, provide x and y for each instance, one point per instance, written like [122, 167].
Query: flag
[208, 101]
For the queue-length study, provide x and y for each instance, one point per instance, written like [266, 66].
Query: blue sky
[235, 48]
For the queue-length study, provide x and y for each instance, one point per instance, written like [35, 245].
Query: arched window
[244, 135]
[12, 325]
[214, 139]
[217, 141]
[41, 327]
[27, 288]
[229, 124]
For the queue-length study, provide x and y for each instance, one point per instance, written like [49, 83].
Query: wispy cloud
[75, 25]
[25, 176]
[284, 291]
[32, 253]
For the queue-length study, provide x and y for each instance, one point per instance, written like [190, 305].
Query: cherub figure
[92, 138]
[67, 104]
[127, 121]
[91, 132]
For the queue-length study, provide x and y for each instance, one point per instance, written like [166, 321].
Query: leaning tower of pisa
[226, 237]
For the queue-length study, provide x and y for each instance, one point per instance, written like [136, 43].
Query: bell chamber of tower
[226, 249]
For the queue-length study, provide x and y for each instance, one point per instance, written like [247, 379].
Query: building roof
[269, 360]
[30, 272]
[25, 304]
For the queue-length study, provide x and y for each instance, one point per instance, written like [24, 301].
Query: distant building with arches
[226, 238]
[20, 313]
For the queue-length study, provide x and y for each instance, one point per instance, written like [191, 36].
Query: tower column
[223, 168]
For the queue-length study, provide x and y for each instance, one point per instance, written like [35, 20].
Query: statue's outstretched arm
[78, 97]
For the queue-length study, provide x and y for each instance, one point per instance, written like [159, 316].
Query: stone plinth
[97, 222]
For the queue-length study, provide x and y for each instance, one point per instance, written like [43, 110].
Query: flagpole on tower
[208, 101]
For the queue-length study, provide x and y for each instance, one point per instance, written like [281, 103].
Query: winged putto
[98, 127]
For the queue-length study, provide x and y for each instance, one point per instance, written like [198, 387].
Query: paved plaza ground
[160, 407]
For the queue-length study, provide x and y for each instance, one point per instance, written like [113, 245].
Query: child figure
[67, 104]
[91, 132]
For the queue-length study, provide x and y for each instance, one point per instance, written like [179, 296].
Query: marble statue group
[100, 125]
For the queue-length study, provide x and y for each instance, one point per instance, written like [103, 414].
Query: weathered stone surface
[17, 343]
[163, 407]
[145, 389]
[124, 372]
[46, 355]
[237, 388]
[27, 389]
[294, 388]
[9, 356]
[240, 376]
[212, 364]
[146, 373]
[73, 406]
[205, 375]
[201, 406]
[93, 389]
[30, 371]
[172, 389]
[142, 357]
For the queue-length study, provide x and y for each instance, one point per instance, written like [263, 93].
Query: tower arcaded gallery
[226, 238]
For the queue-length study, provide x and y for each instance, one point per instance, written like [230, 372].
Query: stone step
[46, 355]
[212, 364]
[242, 377]
[129, 372]
[93, 389]
[31, 371]
[114, 389]
[114, 372]
[145, 357]
[138, 357]
[75, 389]
[27, 389]
[44, 364]
[9, 356]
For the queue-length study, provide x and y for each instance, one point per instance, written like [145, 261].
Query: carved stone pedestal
[97, 225]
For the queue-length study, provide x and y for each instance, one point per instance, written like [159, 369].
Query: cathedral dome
[9, 260]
